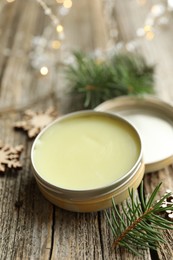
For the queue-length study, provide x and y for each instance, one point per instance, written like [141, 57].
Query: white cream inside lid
[156, 133]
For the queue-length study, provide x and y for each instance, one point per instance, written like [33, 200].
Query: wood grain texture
[31, 227]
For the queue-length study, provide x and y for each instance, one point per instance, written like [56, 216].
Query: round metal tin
[153, 120]
[91, 199]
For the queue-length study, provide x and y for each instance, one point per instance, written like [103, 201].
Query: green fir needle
[139, 224]
[97, 81]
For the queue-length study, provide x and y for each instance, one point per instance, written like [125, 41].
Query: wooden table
[30, 226]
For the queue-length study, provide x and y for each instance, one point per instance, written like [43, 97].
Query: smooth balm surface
[86, 152]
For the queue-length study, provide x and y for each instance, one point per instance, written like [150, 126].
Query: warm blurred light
[170, 4]
[147, 28]
[44, 71]
[67, 3]
[59, 28]
[149, 35]
[60, 1]
[158, 10]
[10, 1]
[56, 44]
[141, 2]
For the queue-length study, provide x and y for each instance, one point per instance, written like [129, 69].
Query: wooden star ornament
[34, 122]
[9, 157]
[168, 202]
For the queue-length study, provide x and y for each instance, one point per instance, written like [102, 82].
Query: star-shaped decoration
[9, 157]
[34, 122]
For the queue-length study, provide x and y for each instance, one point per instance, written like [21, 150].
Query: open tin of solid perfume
[153, 119]
[83, 159]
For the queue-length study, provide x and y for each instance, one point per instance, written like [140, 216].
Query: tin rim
[147, 103]
[93, 191]
[82, 195]
[117, 193]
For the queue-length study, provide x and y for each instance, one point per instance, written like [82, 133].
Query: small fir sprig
[97, 81]
[139, 224]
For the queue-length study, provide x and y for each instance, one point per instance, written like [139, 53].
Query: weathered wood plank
[151, 181]
[76, 236]
[25, 217]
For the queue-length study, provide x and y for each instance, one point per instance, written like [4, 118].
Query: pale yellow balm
[86, 152]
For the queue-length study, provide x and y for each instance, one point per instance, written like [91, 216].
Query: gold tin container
[153, 119]
[88, 195]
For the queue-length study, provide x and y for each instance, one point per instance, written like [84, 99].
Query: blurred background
[37, 39]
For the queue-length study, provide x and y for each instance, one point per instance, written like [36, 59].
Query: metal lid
[153, 119]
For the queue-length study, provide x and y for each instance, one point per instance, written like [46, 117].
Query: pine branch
[131, 227]
[139, 224]
[124, 74]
